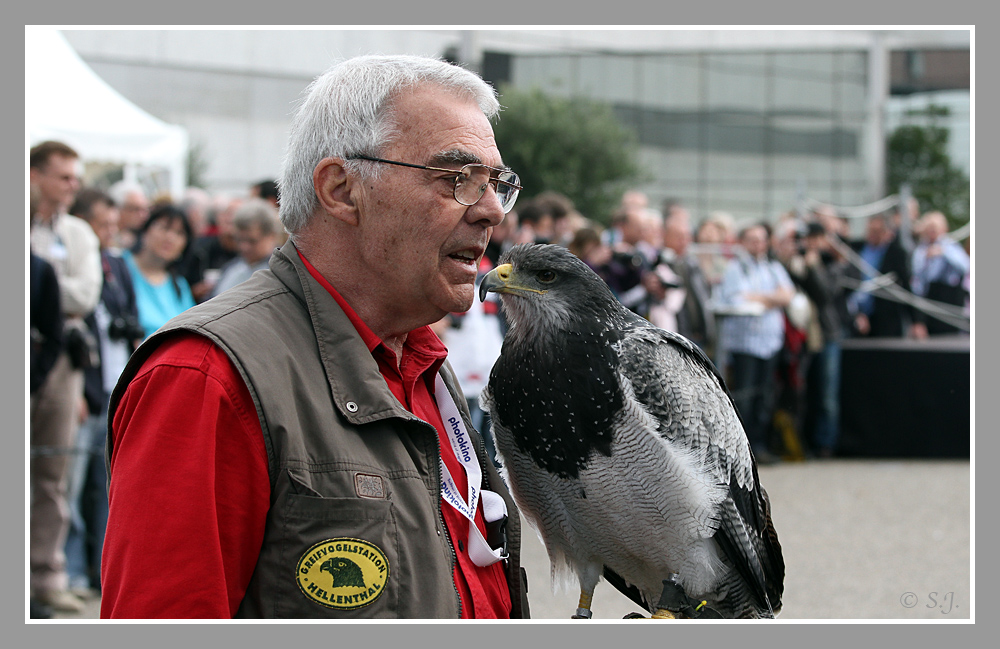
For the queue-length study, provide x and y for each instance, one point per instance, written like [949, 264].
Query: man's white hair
[122, 189]
[348, 111]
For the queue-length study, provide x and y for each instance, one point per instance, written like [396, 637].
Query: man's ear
[333, 186]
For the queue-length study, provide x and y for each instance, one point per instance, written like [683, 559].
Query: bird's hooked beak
[503, 279]
[496, 280]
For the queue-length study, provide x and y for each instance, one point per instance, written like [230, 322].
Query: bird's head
[548, 288]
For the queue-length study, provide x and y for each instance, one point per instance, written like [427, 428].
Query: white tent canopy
[65, 100]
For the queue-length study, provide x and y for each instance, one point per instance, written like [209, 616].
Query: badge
[343, 573]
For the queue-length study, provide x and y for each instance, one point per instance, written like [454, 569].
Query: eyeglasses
[471, 181]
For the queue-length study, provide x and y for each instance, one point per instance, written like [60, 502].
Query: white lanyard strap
[494, 507]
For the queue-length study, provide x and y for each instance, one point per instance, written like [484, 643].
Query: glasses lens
[472, 183]
[507, 189]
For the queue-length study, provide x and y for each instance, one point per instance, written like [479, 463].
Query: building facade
[743, 121]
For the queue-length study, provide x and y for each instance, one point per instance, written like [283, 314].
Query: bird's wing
[684, 392]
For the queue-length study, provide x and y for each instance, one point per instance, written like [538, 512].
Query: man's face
[134, 210]
[419, 245]
[677, 236]
[104, 221]
[754, 241]
[875, 232]
[57, 181]
[253, 245]
[633, 227]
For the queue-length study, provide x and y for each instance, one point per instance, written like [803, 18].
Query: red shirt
[183, 537]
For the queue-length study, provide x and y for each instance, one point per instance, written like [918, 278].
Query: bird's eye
[546, 276]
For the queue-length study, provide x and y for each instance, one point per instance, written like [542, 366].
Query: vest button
[351, 406]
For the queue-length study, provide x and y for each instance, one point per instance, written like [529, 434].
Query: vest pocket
[338, 556]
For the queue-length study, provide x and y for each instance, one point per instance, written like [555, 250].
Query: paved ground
[861, 540]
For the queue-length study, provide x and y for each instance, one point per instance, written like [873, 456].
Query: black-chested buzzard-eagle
[622, 446]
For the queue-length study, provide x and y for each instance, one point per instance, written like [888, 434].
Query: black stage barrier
[905, 398]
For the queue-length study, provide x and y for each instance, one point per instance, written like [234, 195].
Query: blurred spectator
[726, 224]
[876, 316]
[71, 247]
[628, 264]
[803, 334]
[209, 253]
[695, 319]
[753, 342]
[907, 229]
[711, 259]
[634, 198]
[266, 190]
[257, 235]
[114, 323]
[940, 267]
[161, 291]
[196, 204]
[544, 218]
[589, 247]
[45, 339]
[502, 237]
[822, 421]
[133, 209]
[45, 333]
[834, 224]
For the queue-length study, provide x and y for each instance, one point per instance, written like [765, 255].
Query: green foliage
[572, 146]
[197, 165]
[918, 155]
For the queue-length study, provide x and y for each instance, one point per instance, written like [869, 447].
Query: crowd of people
[768, 302]
[108, 267]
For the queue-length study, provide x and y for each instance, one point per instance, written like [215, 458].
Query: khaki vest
[355, 528]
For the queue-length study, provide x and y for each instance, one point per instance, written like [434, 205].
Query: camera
[81, 346]
[126, 328]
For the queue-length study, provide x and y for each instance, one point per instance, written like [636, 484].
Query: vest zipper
[440, 514]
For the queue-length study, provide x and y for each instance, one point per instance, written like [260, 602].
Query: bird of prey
[622, 446]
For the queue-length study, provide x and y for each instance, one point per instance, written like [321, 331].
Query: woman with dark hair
[161, 291]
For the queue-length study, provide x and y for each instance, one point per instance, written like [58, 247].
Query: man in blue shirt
[940, 266]
[755, 283]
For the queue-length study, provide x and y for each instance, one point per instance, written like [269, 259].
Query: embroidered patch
[343, 573]
[369, 486]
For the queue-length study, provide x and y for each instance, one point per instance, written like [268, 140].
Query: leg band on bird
[583, 608]
[674, 603]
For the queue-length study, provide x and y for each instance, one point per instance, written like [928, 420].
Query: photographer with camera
[114, 326]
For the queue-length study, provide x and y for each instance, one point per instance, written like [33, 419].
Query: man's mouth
[468, 257]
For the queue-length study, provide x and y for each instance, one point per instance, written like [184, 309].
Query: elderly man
[329, 468]
[133, 210]
[257, 231]
[940, 267]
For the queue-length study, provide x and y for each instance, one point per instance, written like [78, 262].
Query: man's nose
[487, 208]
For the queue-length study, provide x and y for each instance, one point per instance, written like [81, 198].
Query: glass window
[671, 81]
[736, 82]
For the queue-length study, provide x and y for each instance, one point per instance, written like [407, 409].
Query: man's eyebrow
[457, 157]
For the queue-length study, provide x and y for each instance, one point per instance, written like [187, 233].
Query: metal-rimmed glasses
[471, 181]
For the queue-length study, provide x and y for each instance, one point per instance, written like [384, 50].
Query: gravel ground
[862, 539]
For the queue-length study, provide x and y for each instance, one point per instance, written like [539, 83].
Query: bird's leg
[674, 602]
[583, 608]
[589, 575]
